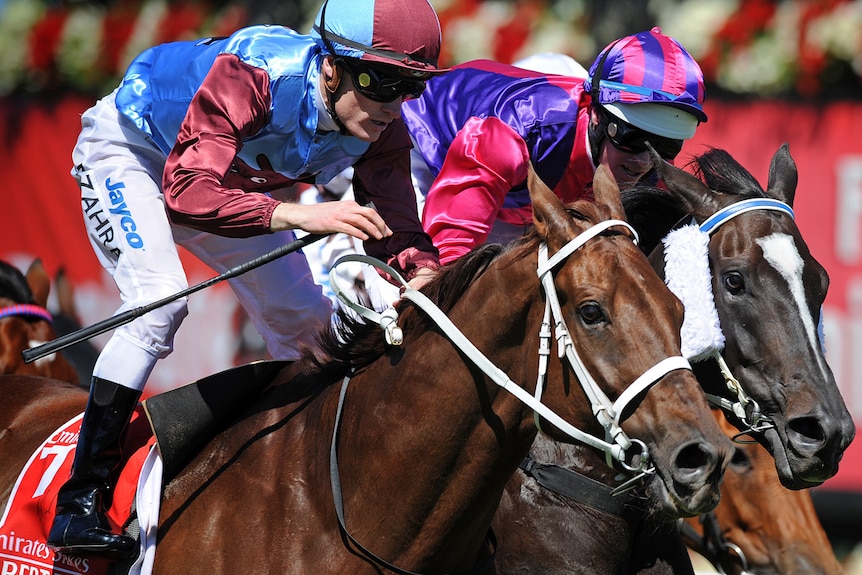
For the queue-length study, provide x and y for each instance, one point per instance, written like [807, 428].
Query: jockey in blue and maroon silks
[189, 149]
[476, 129]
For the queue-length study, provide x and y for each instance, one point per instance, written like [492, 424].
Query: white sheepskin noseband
[686, 254]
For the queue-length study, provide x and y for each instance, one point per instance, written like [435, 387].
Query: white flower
[16, 20]
[693, 23]
[145, 32]
[473, 38]
[80, 45]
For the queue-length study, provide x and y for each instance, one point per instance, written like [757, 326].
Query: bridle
[743, 406]
[713, 545]
[29, 312]
[616, 445]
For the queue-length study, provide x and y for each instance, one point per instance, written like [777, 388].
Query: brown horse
[406, 464]
[771, 346]
[26, 323]
[760, 527]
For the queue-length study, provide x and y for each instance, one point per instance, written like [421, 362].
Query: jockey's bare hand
[330, 217]
[422, 277]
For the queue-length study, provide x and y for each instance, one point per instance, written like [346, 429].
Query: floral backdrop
[804, 49]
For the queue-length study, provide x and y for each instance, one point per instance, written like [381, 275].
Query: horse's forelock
[722, 173]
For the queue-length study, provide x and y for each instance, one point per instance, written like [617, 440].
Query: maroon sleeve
[382, 176]
[233, 102]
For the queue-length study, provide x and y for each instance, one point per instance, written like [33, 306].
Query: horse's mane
[13, 284]
[654, 212]
[350, 343]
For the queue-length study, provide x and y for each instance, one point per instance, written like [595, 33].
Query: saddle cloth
[165, 432]
[26, 521]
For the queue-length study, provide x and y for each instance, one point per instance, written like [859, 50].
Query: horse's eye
[591, 313]
[734, 283]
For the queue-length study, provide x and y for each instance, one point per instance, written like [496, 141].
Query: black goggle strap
[331, 49]
[322, 31]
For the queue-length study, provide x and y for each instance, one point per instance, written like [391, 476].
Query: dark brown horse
[769, 291]
[25, 322]
[769, 317]
[407, 463]
[760, 527]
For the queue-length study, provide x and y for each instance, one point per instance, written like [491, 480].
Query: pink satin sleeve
[485, 160]
[233, 102]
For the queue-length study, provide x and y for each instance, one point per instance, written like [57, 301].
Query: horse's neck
[430, 438]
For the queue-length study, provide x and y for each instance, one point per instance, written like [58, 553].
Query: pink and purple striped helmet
[649, 68]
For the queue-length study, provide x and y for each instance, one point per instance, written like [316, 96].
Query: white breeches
[119, 171]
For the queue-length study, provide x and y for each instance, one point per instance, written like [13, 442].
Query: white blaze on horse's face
[780, 251]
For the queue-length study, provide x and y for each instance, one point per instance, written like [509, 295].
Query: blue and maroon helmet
[652, 82]
[400, 33]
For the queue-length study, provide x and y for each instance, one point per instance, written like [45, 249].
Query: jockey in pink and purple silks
[476, 129]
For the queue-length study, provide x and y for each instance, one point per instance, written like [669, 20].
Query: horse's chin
[783, 465]
[666, 504]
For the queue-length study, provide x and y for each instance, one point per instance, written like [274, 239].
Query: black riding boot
[81, 524]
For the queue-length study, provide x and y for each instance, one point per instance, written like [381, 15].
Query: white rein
[616, 443]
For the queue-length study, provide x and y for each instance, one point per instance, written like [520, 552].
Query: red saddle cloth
[29, 512]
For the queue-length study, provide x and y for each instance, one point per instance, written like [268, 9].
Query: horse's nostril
[808, 428]
[695, 462]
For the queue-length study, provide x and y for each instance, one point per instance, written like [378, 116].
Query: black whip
[40, 351]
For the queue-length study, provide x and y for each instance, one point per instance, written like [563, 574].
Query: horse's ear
[39, 282]
[783, 176]
[606, 192]
[699, 199]
[549, 213]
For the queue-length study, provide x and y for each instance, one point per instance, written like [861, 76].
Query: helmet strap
[331, 85]
[596, 132]
[332, 82]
